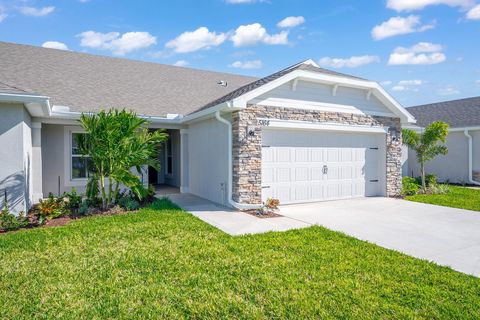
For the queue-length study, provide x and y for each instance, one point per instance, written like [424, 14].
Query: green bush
[50, 208]
[129, 204]
[72, 199]
[410, 186]
[430, 180]
[10, 222]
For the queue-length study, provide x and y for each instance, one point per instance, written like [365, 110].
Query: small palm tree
[117, 141]
[426, 144]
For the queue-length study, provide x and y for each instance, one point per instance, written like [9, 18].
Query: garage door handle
[325, 169]
[373, 180]
[266, 187]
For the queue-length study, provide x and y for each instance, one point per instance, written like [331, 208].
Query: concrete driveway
[447, 236]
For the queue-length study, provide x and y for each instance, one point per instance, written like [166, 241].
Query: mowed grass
[164, 263]
[458, 197]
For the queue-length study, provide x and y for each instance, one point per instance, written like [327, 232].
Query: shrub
[272, 203]
[435, 189]
[50, 208]
[410, 186]
[129, 203]
[10, 222]
[430, 180]
[72, 199]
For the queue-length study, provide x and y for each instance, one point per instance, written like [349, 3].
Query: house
[301, 134]
[462, 163]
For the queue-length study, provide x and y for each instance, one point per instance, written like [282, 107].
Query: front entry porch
[172, 176]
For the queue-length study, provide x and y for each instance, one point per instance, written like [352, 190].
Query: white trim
[369, 93]
[307, 125]
[316, 106]
[294, 85]
[31, 101]
[334, 90]
[68, 180]
[470, 158]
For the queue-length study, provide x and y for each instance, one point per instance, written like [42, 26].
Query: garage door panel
[293, 165]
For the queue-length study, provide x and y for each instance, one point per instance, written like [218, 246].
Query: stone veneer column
[247, 150]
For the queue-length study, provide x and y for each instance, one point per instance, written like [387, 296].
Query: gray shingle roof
[86, 82]
[260, 82]
[457, 113]
[5, 88]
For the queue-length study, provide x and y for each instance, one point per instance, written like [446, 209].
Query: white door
[305, 166]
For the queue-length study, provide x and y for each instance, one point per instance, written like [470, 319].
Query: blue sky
[420, 50]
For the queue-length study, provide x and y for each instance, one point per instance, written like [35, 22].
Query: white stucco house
[302, 134]
[462, 163]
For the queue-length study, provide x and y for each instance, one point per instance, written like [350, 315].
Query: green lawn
[458, 197]
[165, 263]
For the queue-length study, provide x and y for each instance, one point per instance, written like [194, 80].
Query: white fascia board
[464, 128]
[68, 116]
[209, 112]
[32, 102]
[379, 92]
[325, 126]
[393, 105]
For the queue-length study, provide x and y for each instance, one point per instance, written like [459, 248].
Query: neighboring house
[462, 164]
[301, 134]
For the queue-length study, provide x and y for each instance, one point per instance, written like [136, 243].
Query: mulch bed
[58, 222]
[263, 215]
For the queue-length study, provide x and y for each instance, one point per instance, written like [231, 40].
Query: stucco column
[184, 176]
[37, 177]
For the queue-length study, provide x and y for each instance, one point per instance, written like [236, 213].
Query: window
[81, 165]
[169, 157]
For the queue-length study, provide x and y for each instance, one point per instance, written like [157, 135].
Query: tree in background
[426, 144]
[117, 141]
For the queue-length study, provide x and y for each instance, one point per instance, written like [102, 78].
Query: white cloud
[411, 5]
[408, 85]
[248, 35]
[3, 14]
[411, 82]
[399, 88]
[181, 63]
[290, 22]
[420, 54]
[448, 91]
[474, 13]
[352, 62]
[477, 83]
[399, 25]
[254, 64]
[386, 83]
[37, 12]
[118, 44]
[199, 39]
[55, 45]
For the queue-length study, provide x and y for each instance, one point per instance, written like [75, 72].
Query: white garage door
[304, 166]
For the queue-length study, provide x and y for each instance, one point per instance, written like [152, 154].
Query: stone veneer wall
[247, 150]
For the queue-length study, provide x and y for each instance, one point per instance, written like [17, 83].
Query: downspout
[236, 205]
[470, 158]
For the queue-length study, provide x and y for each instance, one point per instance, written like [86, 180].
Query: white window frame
[69, 181]
[168, 149]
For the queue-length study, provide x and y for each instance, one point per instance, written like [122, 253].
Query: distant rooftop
[457, 113]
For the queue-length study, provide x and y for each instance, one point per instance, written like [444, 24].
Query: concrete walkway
[230, 221]
[446, 236]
